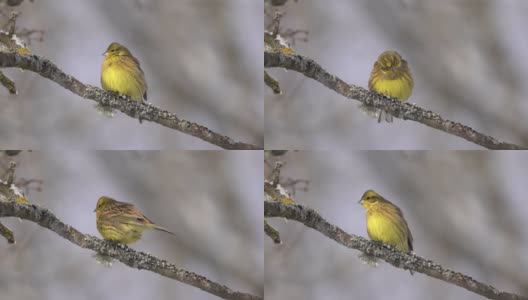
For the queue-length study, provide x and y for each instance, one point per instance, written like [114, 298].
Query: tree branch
[271, 232]
[139, 110]
[8, 83]
[124, 254]
[272, 83]
[405, 111]
[7, 233]
[312, 219]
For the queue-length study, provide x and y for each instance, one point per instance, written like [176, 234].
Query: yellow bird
[122, 222]
[391, 77]
[385, 222]
[121, 73]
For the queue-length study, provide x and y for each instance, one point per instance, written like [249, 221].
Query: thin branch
[14, 2]
[124, 254]
[277, 152]
[312, 219]
[11, 152]
[9, 176]
[272, 233]
[272, 83]
[276, 2]
[8, 83]
[405, 111]
[134, 109]
[7, 233]
[10, 26]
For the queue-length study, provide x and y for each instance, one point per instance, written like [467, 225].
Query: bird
[385, 222]
[392, 77]
[122, 222]
[122, 73]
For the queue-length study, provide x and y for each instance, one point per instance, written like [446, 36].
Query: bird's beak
[95, 209]
[360, 201]
[104, 54]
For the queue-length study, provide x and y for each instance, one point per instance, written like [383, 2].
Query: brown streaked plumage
[122, 222]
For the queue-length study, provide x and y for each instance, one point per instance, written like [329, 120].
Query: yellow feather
[121, 73]
[122, 222]
[391, 77]
[385, 222]
[385, 229]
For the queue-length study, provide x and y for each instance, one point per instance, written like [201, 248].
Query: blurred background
[211, 200]
[466, 210]
[468, 59]
[199, 58]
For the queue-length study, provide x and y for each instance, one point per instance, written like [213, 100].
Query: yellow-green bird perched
[121, 73]
[391, 77]
[122, 222]
[385, 222]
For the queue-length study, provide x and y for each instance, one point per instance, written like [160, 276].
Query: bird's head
[390, 61]
[116, 49]
[103, 201]
[369, 199]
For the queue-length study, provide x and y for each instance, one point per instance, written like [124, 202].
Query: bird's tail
[105, 110]
[380, 114]
[383, 115]
[157, 227]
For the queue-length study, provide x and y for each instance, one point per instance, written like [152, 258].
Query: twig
[7, 233]
[9, 176]
[405, 111]
[12, 152]
[272, 83]
[14, 2]
[275, 174]
[10, 26]
[277, 152]
[7, 83]
[272, 233]
[134, 109]
[277, 2]
[124, 254]
[312, 219]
